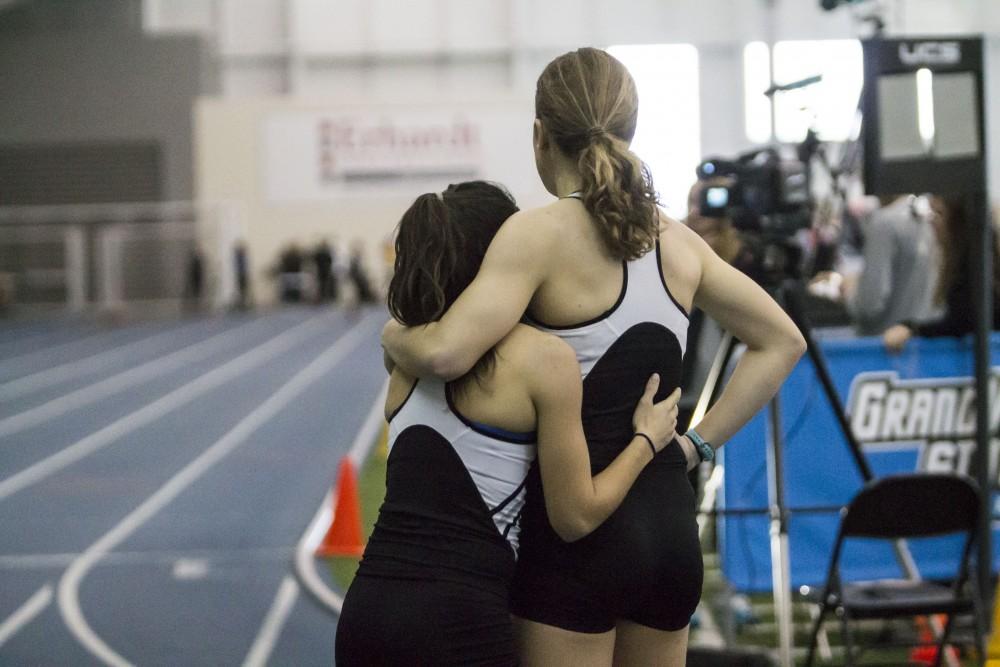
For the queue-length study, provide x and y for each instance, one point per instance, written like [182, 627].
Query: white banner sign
[316, 156]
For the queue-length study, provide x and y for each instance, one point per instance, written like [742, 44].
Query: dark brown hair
[440, 244]
[957, 245]
[586, 100]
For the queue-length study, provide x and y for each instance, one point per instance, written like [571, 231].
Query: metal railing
[110, 257]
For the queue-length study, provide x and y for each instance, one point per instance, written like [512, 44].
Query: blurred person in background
[241, 270]
[326, 279]
[899, 260]
[742, 250]
[358, 274]
[717, 231]
[954, 291]
[432, 588]
[195, 282]
[289, 274]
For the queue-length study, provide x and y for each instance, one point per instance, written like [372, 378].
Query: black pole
[777, 482]
[796, 310]
[982, 232]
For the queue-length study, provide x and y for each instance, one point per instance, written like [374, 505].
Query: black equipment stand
[940, 169]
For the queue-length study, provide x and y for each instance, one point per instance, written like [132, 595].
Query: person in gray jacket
[900, 265]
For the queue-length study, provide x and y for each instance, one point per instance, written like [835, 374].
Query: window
[756, 80]
[668, 135]
[828, 106]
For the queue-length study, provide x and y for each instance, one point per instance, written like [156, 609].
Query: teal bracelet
[705, 451]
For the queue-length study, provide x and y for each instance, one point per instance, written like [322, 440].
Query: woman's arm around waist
[576, 501]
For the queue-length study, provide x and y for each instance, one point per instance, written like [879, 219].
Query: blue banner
[913, 411]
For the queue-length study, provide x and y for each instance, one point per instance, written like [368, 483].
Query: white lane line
[119, 382]
[36, 381]
[305, 561]
[275, 620]
[191, 569]
[69, 584]
[26, 613]
[162, 406]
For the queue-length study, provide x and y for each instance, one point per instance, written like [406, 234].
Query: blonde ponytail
[618, 192]
[587, 102]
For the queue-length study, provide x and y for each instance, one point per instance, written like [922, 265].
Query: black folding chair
[900, 507]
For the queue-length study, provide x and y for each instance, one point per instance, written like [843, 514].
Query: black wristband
[652, 447]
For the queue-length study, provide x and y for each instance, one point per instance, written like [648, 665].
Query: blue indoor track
[156, 478]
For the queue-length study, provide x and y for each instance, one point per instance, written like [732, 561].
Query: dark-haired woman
[433, 586]
[954, 290]
[604, 269]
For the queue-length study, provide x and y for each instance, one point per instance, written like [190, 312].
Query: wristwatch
[705, 451]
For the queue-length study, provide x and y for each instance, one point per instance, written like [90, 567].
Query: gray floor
[155, 479]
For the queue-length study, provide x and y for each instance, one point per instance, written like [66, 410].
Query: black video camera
[763, 192]
[767, 200]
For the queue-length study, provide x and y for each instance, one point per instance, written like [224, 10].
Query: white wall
[457, 52]
[85, 72]
[466, 48]
[231, 165]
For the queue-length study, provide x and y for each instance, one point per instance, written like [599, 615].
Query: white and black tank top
[455, 489]
[645, 331]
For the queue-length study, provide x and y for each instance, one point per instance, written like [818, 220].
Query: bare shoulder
[682, 258]
[674, 233]
[538, 356]
[538, 226]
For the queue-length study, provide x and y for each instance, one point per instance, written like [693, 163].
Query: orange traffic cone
[344, 536]
[927, 655]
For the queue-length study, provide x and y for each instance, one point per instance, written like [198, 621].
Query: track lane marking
[69, 584]
[160, 407]
[305, 561]
[26, 613]
[119, 382]
[274, 622]
[39, 380]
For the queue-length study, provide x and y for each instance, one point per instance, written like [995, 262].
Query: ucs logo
[930, 53]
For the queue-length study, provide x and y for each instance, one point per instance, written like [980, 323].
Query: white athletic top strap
[646, 298]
